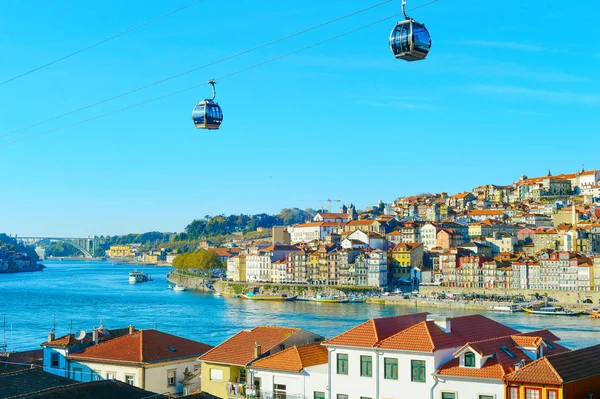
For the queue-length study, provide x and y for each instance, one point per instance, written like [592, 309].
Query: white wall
[469, 389]
[353, 384]
[403, 387]
[154, 379]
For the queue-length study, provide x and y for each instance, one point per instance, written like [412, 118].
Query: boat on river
[178, 287]
[139, 277]
[329, 299]
[554, 311]
[510, 308]
[269, 297]
[594, 313]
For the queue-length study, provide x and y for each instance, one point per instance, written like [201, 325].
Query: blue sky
[505, 91]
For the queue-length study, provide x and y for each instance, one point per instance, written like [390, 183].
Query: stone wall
[230, 288]
[191, 282]
[566, 297]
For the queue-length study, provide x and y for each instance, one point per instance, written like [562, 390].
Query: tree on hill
[204, 260]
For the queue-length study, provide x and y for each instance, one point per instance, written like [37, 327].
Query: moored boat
[329, 299]
[554, 311]
[179, 287]
[139, 277]
[269, 297]
[513, 307]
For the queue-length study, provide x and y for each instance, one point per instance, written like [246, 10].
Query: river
[79, 294]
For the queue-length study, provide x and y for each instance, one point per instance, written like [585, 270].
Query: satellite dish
[80, 335]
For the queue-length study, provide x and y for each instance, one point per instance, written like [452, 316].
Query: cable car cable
[196, 68]
[81, 50]
[217, 79]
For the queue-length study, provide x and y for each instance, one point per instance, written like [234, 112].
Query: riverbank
[37, 268]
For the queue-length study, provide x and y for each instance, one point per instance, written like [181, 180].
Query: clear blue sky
[509, 88]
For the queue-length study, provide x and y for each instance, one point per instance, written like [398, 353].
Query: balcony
[240, 391]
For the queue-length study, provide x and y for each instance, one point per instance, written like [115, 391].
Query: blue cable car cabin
[410, 41]
[207, 115]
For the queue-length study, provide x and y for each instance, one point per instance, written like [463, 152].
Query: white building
[259, 262]
[362, 239]
[429, 235]
[377, 268]
[308, 232]
[298, 372]
[411, 356]
[148, 359]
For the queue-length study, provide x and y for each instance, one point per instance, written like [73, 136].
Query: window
[390, 371]
[216, 375]
[469, 359]
[129, 379]
[110, 375]
[319, 395]
[341, 396]
[54, 362]
[533, 393]
[552, 394]
[171, 377]
[417, 368]
[364, 397]
[366, 366]
[96, 375]
[487, 397]
[448, 395]
[508, 352]
[342, 364]
[279, 391]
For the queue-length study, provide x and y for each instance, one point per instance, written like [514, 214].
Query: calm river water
[83, 292]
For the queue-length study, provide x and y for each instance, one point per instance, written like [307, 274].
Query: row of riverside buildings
[405, 356]
[539, 233]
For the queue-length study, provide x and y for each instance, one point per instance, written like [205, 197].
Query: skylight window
[172, 349]
[549, 344]
[508, 352]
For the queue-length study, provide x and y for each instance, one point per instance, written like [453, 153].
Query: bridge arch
[73, 243]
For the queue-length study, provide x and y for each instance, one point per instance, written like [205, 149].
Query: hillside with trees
[12, 245]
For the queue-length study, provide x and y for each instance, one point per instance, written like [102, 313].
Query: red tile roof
[239, 349]
[146, 346]
[294, 359]
[372, 332]
[425, 336]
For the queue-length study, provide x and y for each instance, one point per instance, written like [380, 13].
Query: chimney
[131, 329]
[51, 336]
[257, 350]
[445, 324]
[95, 336]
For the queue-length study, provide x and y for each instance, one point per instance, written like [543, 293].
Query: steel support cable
[217, 79]
[81, 50]
[197, 68]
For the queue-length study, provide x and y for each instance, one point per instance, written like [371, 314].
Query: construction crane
[329, 201]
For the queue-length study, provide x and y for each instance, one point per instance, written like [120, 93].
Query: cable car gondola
[410, 40]
[207, 114]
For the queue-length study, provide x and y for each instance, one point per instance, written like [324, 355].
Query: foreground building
[225, 367]
[148, 359]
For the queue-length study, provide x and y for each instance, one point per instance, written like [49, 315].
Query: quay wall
[231, 288]
[564, 297]
[191, 282]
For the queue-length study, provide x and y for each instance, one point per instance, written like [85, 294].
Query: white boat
[218, 294]
[179, 287]
[139, 277]
[513, 307]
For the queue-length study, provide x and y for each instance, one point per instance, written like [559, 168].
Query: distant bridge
[87, 246]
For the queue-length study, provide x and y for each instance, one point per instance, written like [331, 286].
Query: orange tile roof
[239, 349]
[294, 359]
[499, 363]
[363, 222]
[425, 336]
[145, 346]
[372, 332]
[561, 368]
[483, 212]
